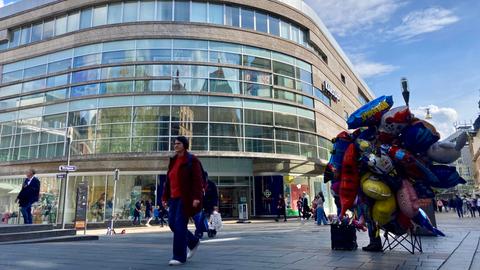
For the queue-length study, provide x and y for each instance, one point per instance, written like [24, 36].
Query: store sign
[329, 89]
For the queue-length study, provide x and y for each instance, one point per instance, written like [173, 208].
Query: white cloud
[443, 118]
[2, 3]
[424, 21]
[346, 16]
[367, 68]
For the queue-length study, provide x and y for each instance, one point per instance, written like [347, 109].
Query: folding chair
[410, 241]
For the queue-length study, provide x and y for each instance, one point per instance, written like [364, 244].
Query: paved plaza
[258, 245]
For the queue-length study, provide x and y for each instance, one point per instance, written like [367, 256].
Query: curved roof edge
[310, 12]
[21, 6]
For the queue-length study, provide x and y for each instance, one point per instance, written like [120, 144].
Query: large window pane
[248, 19]
[194, 85]
[286, 135]
[153, 86]
[84, 90]
[226, 130]
[182, 11]
[259, 146]
[287, 148]
[82, 118]
[274, 25]
[224, 73]
[226, 144]
[56, 95]
[99, 15]
[147, 11]
[48, 28]
[34, 71]
[199, 12]
[153, 70]
[12, 76]
[286, 120]
[15, 38]
[37, 30]
[58, 80]
[118, 72]
[261, 22]
[114, 13]
[225, 115]
[33, 85]
[114, 115]
[154, 55]
[116, 87]
[258, 117]
[86, 75]
[118, 57]
[113, 130]
[59, 65]
[130, 11]
[223, 86]
[10, 90]
[216, 13]
[284, 81]
[284, 29]
[306, 124]
[86, 18]
[283, 69]
[26, 32]
[87, 60]
[256, 76]
[164, 10]
[151, 114]
[257, 62]
[73, 22]
[189, 129]
[190, 55]
[258, 132]
[189, 113]
[225, 58]
[232, 15]
[60, 25]
[258, 90]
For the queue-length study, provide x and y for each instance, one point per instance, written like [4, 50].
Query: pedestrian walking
[478, 205]
[299, 207]
[148, 212]
[459, 206]
[472, 207]
[439, 205]
[136, 212]
[321, 217]
[215, 223]
[281, 211]
[305, 208]
[183, 192]
[28, 195]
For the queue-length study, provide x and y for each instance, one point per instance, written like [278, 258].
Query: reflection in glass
[199, 12]
[37, 30]
[154, 55]
[114, 13]
[274, 25]
[130, 12]
[99, 15]
[189, 113]
[261, 22]
[164, 10]
[225, 58]
[231, 115]
[147, 11]
[226, 144]
[25, 37]
[257, 62]
[248, 19]
[87, 60]
[182, 11]
[60, 25]
[215, 13]
[73, 22]
[259, 146]
[48, 28]
[86, 18]
[232, 15]
[258, 90]
[118, 57]
[84, 90]
[224, 86]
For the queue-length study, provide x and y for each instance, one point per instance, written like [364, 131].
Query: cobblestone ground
[258, 245]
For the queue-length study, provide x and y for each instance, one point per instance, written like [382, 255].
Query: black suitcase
[344, 237]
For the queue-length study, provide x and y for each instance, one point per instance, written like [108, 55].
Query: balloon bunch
[380, 170]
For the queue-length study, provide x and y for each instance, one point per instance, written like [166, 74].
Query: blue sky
[434, 44]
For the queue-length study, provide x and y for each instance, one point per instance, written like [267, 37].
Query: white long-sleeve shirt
[215, 221]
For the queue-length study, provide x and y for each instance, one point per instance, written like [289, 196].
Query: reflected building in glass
[258, 87]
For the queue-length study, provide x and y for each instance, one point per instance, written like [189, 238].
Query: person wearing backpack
[183, 193]
[210, 201]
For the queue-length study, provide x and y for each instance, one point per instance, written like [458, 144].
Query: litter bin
[243, 213]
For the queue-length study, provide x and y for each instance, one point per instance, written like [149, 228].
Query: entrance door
[229, 198]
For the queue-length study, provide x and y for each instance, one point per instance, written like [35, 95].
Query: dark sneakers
[373, 247]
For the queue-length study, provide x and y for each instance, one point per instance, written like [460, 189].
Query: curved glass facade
[152, 90]
[161, 10]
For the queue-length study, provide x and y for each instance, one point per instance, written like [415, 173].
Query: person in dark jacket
[459, 206]
[28, 195]
[184, 193]
[148, 212]
[281, 208]
[305, 207]
[136, 212]
[210, 200]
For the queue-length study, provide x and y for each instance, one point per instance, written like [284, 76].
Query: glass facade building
[259, 117]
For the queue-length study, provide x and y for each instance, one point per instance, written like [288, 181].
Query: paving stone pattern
[259, 245]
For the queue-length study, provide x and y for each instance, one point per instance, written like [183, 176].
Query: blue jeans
[182, 237]
[321, 216]
[26, 213]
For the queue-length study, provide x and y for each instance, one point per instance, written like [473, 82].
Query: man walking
[28, 195]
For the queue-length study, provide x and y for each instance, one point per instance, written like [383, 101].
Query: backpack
[204, 173]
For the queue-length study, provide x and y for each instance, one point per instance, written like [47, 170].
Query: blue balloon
[422, 220]
[447, 175]
[417, 138]
[370, 113]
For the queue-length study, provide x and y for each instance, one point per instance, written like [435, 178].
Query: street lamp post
[405, 92]
[115, 178]
[65, 190]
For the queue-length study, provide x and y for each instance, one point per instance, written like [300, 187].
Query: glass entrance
[230, 197]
